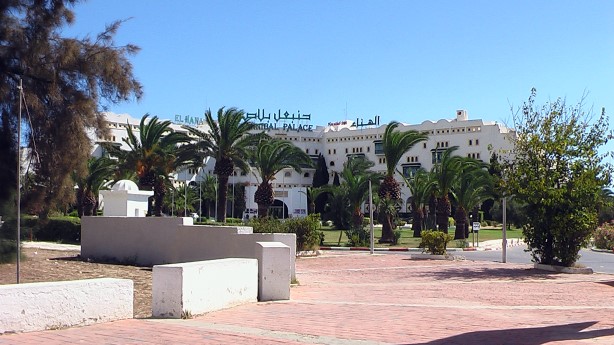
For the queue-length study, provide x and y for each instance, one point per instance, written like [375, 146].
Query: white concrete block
[275, 273]
[41, 306]
[203, 286]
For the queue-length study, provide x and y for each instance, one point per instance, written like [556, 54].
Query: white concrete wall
[40, 306]
[203, 286]
[163, 240]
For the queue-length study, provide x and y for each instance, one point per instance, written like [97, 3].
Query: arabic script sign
[271, 121]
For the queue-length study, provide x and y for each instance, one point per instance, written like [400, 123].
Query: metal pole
[232, 209]
[504, 238]
[19, 182]
[200, 198]
[216, 196]
[185, 199]
[372, 246]
[173, 202]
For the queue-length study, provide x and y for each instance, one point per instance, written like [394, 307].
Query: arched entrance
[278, 209]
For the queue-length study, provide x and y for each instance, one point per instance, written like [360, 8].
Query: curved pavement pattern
[361, 299]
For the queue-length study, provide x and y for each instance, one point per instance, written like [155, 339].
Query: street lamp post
[19, 181]
[504, 233]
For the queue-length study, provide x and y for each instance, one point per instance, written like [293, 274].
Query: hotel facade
[336, 141]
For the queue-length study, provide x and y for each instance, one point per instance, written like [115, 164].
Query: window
[477, 142]
[306, 174]
[368, 148]
[288, 174]
[316, 151]
[410, 170]
[307, 151]
[334, 151]
[346, 150]
[436, 156]
[379, 147]
[424, 145]
[470, 142]
[332, 164]
[328, 151]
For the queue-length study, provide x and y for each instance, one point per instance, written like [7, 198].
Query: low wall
[160, 240]
[41, 306]
[199, 287]
[275, 272]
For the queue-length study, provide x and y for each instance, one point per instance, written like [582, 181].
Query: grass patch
[331, 237]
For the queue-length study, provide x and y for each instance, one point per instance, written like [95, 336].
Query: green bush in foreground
[604, 237]
[435, 242]
[8, 251]
[306, 229]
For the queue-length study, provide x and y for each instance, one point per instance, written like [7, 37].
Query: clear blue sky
[403, 60]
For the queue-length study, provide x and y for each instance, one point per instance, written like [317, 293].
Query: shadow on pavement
[516, 274]
[525, 336]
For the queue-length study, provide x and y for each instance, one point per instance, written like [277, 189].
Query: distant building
[336, 142]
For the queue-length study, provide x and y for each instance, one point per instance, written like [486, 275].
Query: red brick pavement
[351, 298]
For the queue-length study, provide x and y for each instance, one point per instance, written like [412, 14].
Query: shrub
[230, 220]
[60, 229]
[306, 230]
[435, 242]
[57, 229]
[397, 236]
[604, 237]
[358, 237]
[8, 251]
[266, 225]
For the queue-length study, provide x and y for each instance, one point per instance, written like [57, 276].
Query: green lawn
[331, 237]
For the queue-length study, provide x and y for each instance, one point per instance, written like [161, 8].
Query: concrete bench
[40, 306]
[199, 287]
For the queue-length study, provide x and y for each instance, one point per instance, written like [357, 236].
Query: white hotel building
[336, 142]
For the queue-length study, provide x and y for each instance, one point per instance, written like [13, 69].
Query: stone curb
[602, 250]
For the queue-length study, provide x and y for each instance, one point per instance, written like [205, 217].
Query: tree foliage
[558, 173]
[270, 157]
[155, 153]
[228, 140]
[66, 83]
[395, 144]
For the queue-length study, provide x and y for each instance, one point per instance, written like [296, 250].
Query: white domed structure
[125, 200]
[125, 185]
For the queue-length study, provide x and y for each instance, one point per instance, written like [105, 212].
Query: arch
[278, 209]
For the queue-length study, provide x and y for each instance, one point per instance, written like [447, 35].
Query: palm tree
[395, 145]
[154, 155]
[312, 194]
[446, 172]
[229, 141]
[472, 186]
[208, 192]
[421, 185]
[99, 171]
[270, 157]
[356, 176]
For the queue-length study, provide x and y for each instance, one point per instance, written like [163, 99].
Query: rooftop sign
[271, 121]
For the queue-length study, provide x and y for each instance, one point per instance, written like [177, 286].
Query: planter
[562, 269]
[424, 256]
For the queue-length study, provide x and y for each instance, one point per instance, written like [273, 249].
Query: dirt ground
[40, 265]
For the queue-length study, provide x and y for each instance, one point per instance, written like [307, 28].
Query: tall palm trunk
[418, 220]
[443, 212]
[222, 191]
[88, 202]
[432, 216]
[264, 198]
[159, 193]
[460, 217]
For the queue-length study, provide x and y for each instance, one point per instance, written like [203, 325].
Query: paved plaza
[357, 298]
